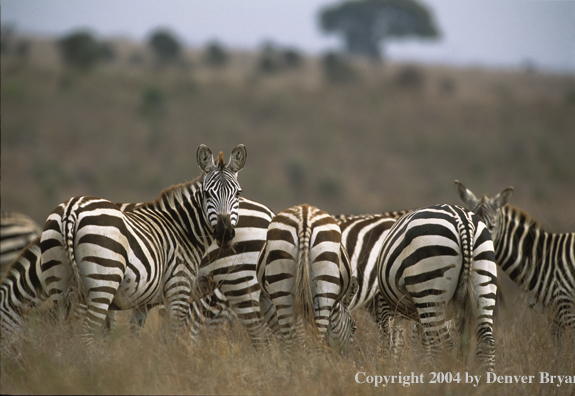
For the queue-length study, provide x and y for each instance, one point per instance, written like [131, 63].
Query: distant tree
[80, 50]
[269, 61]
[216, 55]
[337, 68]
[107, 52]
[7, 38]
[366, 23]
[166, 47]
[292, 58]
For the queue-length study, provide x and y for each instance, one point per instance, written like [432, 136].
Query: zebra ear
[238, 158]
[502, 198]
[351, 291]
[205, 158]
[466, 195]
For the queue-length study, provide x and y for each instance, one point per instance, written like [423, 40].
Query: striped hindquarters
[438, 262]
[303, 271]
[362, 236]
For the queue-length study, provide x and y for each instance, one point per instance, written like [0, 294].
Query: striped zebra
[22, 289]
[362, 236]
[304, 273]
[16, 231]
[232, 270]
[539, 262]
[438, 263]
[150, 254]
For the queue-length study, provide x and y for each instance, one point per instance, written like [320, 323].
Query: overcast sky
[499, 33]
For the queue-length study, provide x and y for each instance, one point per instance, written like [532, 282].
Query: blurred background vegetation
[347, 133]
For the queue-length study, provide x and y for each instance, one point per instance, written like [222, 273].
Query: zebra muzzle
[224, 231]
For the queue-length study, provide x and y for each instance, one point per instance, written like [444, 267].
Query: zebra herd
[206, 255]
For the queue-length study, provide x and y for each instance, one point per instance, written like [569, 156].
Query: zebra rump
[304, 274]
[438, 263]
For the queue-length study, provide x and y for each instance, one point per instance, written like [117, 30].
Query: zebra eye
[238, 193]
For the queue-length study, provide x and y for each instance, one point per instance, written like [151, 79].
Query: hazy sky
[501, 33]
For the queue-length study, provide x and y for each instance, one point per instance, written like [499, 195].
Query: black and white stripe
[233, 267]
[438, 263]
[232, 270]
[539, 262]
[16, 231]
[22, 289]
[362, 236]
[304, 271]
[144, 256]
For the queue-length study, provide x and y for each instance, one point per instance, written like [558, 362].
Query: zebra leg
[138, 318]
[269, 313]
[435, 334]
[563, 319]
[390, 334]
[481, 301]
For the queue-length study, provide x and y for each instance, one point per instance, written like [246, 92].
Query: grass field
[55, 361]
[126, 131]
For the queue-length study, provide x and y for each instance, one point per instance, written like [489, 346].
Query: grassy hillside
[128, 130]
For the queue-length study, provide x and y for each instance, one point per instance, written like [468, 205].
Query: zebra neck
[522, 250]
[181, 209]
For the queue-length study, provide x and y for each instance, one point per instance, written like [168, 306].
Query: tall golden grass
[54, 360]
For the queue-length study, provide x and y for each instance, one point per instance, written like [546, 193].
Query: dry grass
[54, 360]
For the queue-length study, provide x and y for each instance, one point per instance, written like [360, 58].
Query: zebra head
[221, 191]
[487, 209]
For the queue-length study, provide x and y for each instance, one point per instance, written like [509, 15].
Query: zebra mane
[394, 214]
[175, 191]
[512, 212]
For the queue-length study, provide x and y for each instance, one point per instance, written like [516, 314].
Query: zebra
[17, 231]
[436, 263]
[362, 236]
[304, 272]
[232, 270]
[539, 262]
[150, 254]
[23, 289]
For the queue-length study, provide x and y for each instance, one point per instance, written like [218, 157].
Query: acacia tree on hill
[81, 51]
[365, 24]
[165, 46]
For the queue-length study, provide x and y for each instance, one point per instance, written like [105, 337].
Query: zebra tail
[76, 290]
[466, 288]
[303, 299]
